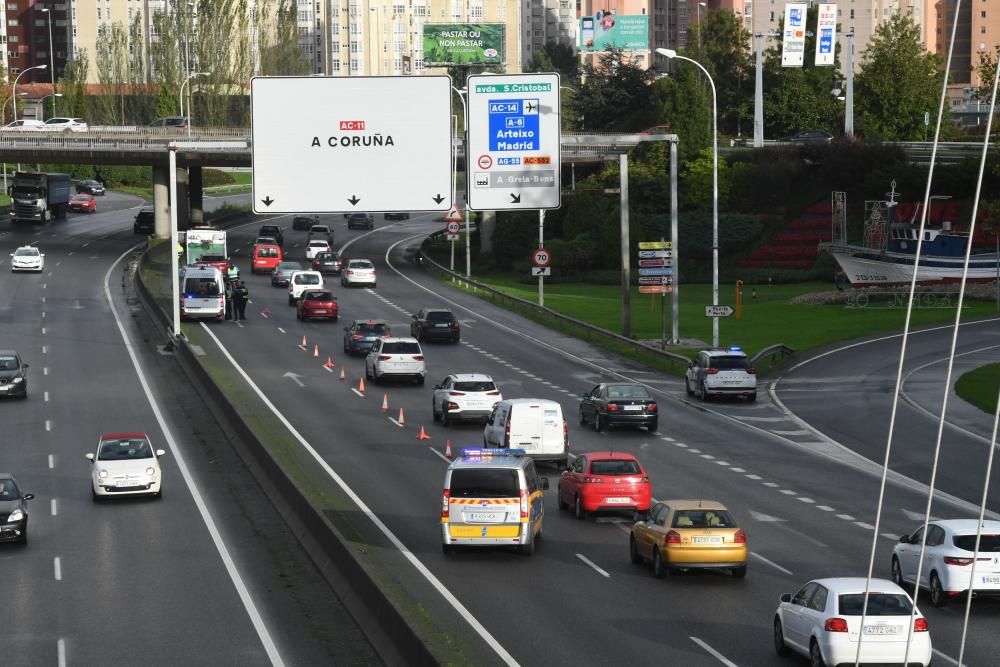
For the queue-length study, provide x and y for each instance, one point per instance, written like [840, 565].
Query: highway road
[209, 574]
[807, 504]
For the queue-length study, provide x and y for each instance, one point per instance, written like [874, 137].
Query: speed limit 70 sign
[541, 258]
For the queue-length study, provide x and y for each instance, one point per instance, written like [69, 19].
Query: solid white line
[52, 507]
[770, 562]
[715, 654]
[355, 390]
[947, 657]
[761, 419]
[799, 432]
[206, 517]
[439, 455]
[593, 565]
[52, 461]
[479, 628]
[57, 568]
[61, 652]
[395, 422]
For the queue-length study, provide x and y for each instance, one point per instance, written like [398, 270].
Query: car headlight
[17, 380]
[15, 516]
[151, 471]
[103, 474]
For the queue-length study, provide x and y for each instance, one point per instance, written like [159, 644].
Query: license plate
[706, 539]
[129, 482]
[320, 312]
[881, 629]
[991, 580]
[441, 326]
[633, 407]
[5, 387]
[617, 501]
[486, 517]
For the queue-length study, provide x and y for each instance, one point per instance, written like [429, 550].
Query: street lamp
[42, 103]
[186, 81]
[13, 92]
[52, 62]
[700, 5]
[454, 198]
[670, 53]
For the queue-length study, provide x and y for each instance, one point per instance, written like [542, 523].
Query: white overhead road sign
[514, 142]
[364, 144]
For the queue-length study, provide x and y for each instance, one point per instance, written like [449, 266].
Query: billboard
[826, 34]
[793, 41]
[463, 44]
[604, 30]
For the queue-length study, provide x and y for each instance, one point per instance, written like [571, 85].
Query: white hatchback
[358, 272]
[300, 281]
[464, 396]
[316, 246]
[948, 559]
[27, 258]
[125, 464]
[823, 621]
[395, 357]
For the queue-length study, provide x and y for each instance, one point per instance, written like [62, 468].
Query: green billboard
[604, 30]
[463, 44]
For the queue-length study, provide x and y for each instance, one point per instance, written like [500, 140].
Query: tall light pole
[454, 199]
[52, 62]
[13, 92]
[670, 53]
[700, 5]
[186, 81]
[42, 104]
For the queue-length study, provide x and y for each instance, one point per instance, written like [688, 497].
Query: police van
[492, 497]
[203, 292]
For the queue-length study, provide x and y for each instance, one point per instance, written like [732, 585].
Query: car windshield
[472, 483]
[8, 363]
[319, 244]
[401, 347]
[9, 490]
[26, 252]
[319, 296]
[729, 363]
[373, 328]
[307, 279]
[289, 266]
[440, 315]
[202, 287]
[361, 264]
[613, 467]
[321, 229]
[125, 449]
[703, 518]
[617, 391]
[987, 543]
[81, 197]
[879, 604]
[327, 256]
[267, 252]
[475, 386]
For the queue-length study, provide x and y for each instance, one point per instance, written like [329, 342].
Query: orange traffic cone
[266, 312]
[329, 363]
[303, 346]
[447, 449]
[385, 402]
[316, 350]
[343, 376]
[361, 385]
[402, 419]
[423, 434]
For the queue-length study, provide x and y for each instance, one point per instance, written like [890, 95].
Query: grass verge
[980, 387]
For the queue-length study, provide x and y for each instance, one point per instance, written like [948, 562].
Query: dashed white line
[803, 499]
[439, 455]
[48, 424]
[799, 432]
[666, 438]
[788, 492]
[395, 422]
[845, 517]
[715, 654]
[45, 349]
[763, 419]
[355, 390]
[45, 370]
[773, 485]
[52, 507]
[866, 526]
[680, 444]
[57, 568]
[695, 451]
[890, 536]
[61, 652]
[45, 395]
[281, 330]
[770, 562]
[737, 469]
[753, 477]
[52, 461]
[593, 565]
[722, 463]
[825, 508]
[43, 331]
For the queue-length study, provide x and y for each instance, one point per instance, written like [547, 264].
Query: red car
[218, 261]
[604, 481]
[83, 203]
[317, 304]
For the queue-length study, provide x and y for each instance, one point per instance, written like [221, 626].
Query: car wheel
[815, 655]
[599, 422]
[447, 549]
[897, 573]
[779, 638]
[578, 510]
[368, 372]
[528, 549]
[435, 415]
[291, 301]
[654, 426]
[347, 350]
[703, 394]
[23, 539]
[687, 387]
[633, 551]
[753, 397]
[420, 380]
[445, 419]
[563, 505]
[298, 315]
[659, 570]
[939, 598]
[583, 418]
[740, 572]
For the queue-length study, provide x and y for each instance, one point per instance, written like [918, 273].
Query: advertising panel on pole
[793, 39]
[604, 30]
[514, 135]
[364, 153]
[826, 34]
[464, 44]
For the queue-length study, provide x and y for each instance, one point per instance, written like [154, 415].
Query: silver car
[721, 372]
[464, 396]
[358, 272]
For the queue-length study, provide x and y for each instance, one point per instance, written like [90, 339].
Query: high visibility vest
[233, 273]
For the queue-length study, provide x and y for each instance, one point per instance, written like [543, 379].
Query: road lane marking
[231, 569]
[890, 536]
[769, 420]
[712, 652]
[754, 477]
[866, 526]
[737, 469]
[593, 565]
[355, 390]
[45, 370]
[48, 424]
[695, 451]
[773, 485]
[57, 568]
[61, 652]
[756, 555]
[666, 438]
[948, 658]
[803, 499]
[424, 571]
[52, 461]
[52, 507]
[722, 463]
[395, 422]
[798, 432]
[439, 455]
[787, 492]
[825, 508]
[43, 331]
[45, 349]
[845, 517]
[281, 330]
[707, 456]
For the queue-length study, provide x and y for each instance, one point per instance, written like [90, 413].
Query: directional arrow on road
[515, 199]
[267, 201]
[764, 518]
[438, 199]
[354, 200]
[295, 378]
[917, 516]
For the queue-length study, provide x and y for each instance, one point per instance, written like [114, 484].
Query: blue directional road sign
[514, 125]
[656, 272]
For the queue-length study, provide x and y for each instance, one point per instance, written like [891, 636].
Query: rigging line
[996, 416]
[902, 350]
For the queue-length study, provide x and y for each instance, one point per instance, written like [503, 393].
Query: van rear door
[527, 427]
[203, 295]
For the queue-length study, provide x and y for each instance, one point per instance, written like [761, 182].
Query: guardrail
[590, 332]
[772, 353]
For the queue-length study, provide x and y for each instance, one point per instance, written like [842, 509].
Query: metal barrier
[772, 353]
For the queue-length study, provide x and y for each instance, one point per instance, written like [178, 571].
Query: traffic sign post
[514, 132]
[656, 260]
[451, 233]
[341, 159]
[718, 311]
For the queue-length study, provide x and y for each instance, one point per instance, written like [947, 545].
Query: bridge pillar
[183, 208]
[195, 196]
[487, 223]
[161, 200]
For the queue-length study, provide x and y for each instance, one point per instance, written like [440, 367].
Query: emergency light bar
[493, 452]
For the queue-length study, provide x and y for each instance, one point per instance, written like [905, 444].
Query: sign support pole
[626, 266]
[663, 311]
[174, 268]
[541, 244]
[675, 338]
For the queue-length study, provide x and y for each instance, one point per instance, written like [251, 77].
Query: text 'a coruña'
[355, 141]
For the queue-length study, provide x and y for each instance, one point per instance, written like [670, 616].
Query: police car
[721, 372]
[492, 497]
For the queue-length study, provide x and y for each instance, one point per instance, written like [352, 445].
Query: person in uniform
[240, 297]
[229, 300]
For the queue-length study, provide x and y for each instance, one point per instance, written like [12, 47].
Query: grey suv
[144, 222]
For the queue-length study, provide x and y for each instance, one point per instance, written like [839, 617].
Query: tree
[556, 57]
[112, 60]
[166, 102]
[723, 53]
[685, 104]
[614, 94]
[280, 53]
[899, 81]
[74, 85]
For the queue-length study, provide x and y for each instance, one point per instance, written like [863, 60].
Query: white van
[535, 425]
[203, 292]
[300, 282]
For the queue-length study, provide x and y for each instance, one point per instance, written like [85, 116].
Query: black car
[13, 375]
[435, 324]
[304, 221]
[610, 404]
[144, 222]
[327, 262]
[173, 122]
[360, 221]
[95, 188]
[397, 216]
[13, 510]
[811, 137]
[274, 231]
[282, 273]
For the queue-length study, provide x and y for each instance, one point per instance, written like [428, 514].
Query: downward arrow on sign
[267, 201]
[354, 200]
[438, 199]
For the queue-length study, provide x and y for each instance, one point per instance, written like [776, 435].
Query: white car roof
[848, 585]
[531, 401]
[471, 377]
[400, 339]
[319, 242]
[307, 271]
[359, 261]
[967, 526]
[28, 247]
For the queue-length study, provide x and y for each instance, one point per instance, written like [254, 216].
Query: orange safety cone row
[343, 376]
[329, 363]
[385, 402]
[316, 350]
[266, 312]
[447, 449]
[402, 419]
[423, 434]
[361, 385]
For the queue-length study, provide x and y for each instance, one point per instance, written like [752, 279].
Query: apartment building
[25, 38]
[545, 21]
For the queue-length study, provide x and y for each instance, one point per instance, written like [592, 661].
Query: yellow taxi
[689, 534]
